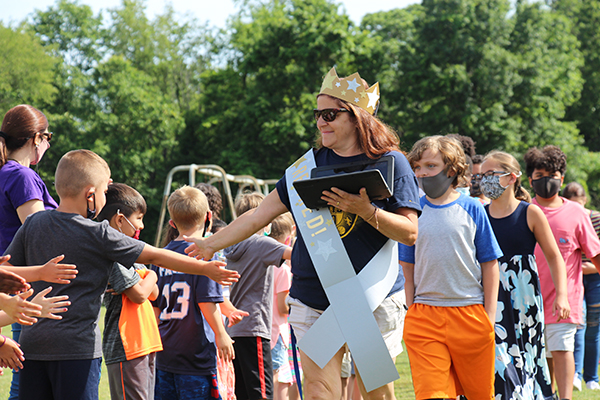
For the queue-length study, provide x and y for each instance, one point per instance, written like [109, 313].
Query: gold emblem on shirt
[344, 221]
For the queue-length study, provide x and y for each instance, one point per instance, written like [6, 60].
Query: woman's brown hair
[374, 137]
[20, 124]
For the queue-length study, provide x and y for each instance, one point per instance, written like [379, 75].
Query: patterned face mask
[491, 187]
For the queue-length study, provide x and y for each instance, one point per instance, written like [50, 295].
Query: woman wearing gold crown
[346, 291]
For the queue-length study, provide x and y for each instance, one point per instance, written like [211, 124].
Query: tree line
[148, 94]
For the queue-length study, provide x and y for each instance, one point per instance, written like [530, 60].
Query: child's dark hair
[551, 158]
[217, 225]
[281, 226]
[248, 201]
[215, 201]
[122, 198]
[466, 142]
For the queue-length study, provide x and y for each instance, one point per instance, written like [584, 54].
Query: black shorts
[253, 368]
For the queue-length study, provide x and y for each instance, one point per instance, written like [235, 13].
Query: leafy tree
[26, 70]
[259, 105]
[585, 17]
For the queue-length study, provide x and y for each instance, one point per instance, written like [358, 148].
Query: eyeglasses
[328, 114]
[492, 173]
[47, 136]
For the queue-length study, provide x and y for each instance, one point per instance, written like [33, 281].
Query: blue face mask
[464, 190]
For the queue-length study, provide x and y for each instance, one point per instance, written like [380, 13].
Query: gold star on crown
[351, 90]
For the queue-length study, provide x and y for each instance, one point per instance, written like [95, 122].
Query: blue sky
[215, 12]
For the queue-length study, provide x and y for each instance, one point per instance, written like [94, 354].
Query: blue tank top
[513, 233]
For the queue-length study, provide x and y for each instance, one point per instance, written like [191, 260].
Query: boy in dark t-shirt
[63, 357]
[190, 323]
[254, 293]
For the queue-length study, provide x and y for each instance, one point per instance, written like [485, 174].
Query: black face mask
[546, 187]
[435, 186]
[91, 213]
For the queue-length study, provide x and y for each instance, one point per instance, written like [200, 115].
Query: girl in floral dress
[521, 367]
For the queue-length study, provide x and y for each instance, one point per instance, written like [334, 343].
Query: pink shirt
[574, 234]
[282, 281]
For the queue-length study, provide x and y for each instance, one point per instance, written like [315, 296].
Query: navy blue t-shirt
[188, 340]
[361, 240]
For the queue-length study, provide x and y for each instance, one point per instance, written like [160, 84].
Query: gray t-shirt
[254, 258]
[120, 279]
[93, 247]
[454, 239]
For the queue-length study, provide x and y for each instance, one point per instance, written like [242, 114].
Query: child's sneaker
[592, 385]
[577, 383]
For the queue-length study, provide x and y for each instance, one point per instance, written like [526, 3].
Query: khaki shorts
[389, 316]
[560, 337]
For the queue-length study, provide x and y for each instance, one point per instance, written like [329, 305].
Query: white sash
[352, 298]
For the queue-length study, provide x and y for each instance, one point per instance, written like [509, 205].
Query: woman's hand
[198, 248]
[561, 308]
[51, 305]
[358, 204]
[54, 272]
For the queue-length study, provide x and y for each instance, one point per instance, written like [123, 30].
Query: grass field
[403, 386]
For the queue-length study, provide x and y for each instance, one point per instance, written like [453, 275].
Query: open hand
[11, 355]
[51, 305]
[19, 309]
[198, 248]
[215, 270]
[11, 283]
[54, 272]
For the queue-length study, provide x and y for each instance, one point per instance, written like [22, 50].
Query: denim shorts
[279, 354]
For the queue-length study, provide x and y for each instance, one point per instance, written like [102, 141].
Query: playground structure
[217, 177]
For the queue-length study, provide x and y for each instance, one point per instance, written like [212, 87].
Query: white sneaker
[592, 385]
[577, 383]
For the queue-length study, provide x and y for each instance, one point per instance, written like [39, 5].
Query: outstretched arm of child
[50, 306]
[189, 265]
[224, 344]
[409, 284]
[11, 355]
[144, 289]
[233, 314]
[53, 271]
[490, 279]
[10, 282]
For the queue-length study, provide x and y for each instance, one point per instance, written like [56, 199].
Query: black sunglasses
[47, 135]
[328, 114]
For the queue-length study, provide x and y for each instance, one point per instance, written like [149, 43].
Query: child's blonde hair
[282, 226]
[510, 164]
[79, 169]
[187, 207]
[452, 154]
[248, 201]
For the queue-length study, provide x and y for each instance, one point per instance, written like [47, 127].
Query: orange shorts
[451, 351]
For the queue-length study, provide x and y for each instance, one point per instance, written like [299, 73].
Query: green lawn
[403, 386]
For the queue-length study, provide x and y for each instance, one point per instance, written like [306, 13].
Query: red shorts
[451, 351]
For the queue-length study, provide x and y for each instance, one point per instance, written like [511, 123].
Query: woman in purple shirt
[24, 138]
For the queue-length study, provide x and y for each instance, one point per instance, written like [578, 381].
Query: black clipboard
[350, 178]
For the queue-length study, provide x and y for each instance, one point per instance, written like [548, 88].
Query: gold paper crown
[351, 90]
